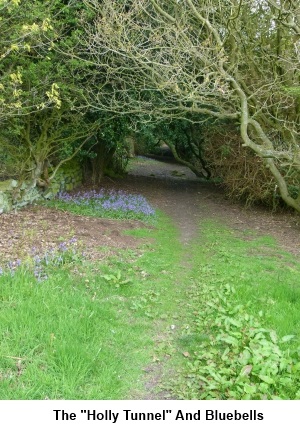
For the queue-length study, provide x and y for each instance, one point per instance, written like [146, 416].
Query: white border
[39, 414]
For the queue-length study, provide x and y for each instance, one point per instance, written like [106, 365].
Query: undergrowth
[216, 319]
[237, 357]
[236, 346]
[78, 329]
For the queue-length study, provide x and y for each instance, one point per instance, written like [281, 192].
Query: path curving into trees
[170, 187]
[174, 189]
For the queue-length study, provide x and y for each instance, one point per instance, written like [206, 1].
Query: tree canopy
[233, 60]
[68, 68]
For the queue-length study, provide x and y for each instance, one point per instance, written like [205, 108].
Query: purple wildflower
[110, 201]
[62, 246]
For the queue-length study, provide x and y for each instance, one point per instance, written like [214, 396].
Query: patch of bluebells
[38, 264]
[104, 200]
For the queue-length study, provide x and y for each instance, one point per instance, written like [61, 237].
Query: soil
[39, 228]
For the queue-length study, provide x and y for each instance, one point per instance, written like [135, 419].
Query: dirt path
[169, 187]
[188, 200]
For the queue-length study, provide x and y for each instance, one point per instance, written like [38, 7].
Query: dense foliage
[46, 117]
[77, 77]
[234, 61]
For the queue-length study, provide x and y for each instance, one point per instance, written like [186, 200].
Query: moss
[7, 185]
[5, 203]
[67, 178]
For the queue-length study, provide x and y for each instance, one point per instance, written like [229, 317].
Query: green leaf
[224, 355]
[126, 281]
[228, 339]
[249, 389]
[245, 357]
[273, 336]
[266, 379]
[287, 338]
[296, 367]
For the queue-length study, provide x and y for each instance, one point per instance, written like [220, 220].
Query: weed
[238, 358]
[116, 280]
[237, 345]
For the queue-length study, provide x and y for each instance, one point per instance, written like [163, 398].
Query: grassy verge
[74, 329]
[242, 336]
[70, 336]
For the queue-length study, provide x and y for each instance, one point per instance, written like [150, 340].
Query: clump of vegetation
[66, 323]
[241, 173]
[240, 336]
[106, 203]
[237, 358]
[39, 265]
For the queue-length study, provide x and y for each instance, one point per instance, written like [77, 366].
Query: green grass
[216, 314]
[243, 333]
[95, 212]
[85, 332]
[266, 277]
[75, 339]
